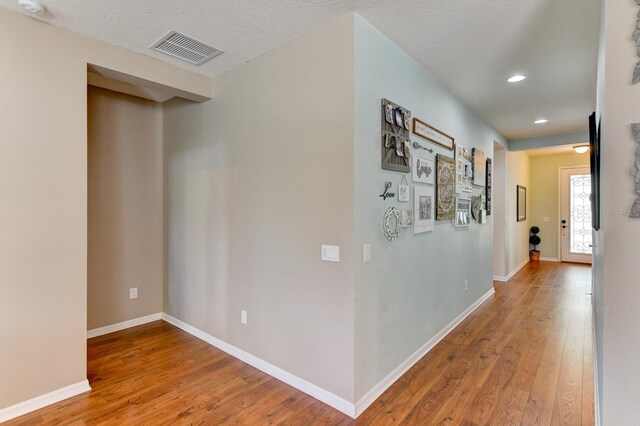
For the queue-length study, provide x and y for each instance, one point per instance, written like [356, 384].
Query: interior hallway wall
[544, 197]
[43, 182]
[517, 172]
[125, 228]
[256, 181]
[498, 211]
[616, 266]
[415, 286]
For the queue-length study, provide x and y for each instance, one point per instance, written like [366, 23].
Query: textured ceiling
[471, 46]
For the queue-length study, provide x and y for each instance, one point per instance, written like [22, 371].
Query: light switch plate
[243, 317]
[133, 293]
[330, 253]
[366, 253]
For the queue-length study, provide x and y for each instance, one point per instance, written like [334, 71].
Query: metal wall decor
[488, 186]
[416, 145]
[445, 187]
[635, 172]
[391, 232]
[396, 142]
[386, 194]
[636, 38]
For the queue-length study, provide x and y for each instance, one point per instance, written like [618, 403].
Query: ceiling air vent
[186, 48]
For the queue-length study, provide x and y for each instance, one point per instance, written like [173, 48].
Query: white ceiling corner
[471, 46]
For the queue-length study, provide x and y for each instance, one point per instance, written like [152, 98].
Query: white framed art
[463, 212]
[423, 169]
[424, 209]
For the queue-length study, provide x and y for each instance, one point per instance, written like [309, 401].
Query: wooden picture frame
[432, 134]
[521, 206]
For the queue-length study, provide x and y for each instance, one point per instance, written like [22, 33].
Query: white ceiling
[471, 46]
[556, 150]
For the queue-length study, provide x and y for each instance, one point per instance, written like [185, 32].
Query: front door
[575, 215]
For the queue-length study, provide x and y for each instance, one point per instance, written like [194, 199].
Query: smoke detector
[33, 7]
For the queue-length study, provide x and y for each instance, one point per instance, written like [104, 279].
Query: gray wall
[616, 267]
[125, 207]
[256, 180]
[414, 286]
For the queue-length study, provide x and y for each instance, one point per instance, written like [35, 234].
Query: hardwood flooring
[524, 357]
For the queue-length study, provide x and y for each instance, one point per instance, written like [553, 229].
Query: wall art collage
[437, 179]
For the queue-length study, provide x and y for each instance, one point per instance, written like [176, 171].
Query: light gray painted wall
[616, 267]
[256, 180]
[415, 286]
[499, 213]
[575, 138]
[598, 236]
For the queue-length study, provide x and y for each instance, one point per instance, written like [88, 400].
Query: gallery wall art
[489, 184]
[396, 141]
[423, 209]
[463, 212]
[423, 169]
[445, 187]
[432, 134]
[479, 167]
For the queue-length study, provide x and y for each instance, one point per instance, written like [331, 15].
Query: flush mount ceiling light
[516, 78]
[541, 121]
[33, 7]
[581, 149]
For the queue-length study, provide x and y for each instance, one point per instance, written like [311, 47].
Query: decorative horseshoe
[390, 234]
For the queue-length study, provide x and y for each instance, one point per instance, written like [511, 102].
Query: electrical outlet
[466, 285]
[366, 253]
[133, 293]
[243, 317]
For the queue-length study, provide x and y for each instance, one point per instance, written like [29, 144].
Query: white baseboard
[123, 325]
[515, 271]
[550, 259]
[43, 400]
[375, 392]
[309, 388]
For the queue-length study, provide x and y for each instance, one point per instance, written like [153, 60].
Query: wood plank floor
[523, 357]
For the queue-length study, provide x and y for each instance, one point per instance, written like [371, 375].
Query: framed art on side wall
[445, 187]
[521, 197]
[423, 209]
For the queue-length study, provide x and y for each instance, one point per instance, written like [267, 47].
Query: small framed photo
[522, 203]
[403, 191]
[463, 212]
[423, 209]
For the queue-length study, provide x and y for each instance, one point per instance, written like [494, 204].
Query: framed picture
[445, 187]
[489, 184]
[594, 161]
[432, 134]
[423, 169]
[403, 191]
[463, 212]
[423, 209]
[521, 203]
[479, 167]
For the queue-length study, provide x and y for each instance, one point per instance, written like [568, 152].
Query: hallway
[523, 357]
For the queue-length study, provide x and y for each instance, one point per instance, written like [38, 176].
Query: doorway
[575, 237]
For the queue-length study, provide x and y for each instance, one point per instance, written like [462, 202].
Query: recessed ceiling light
[541, 121]
[32, 6]
[581, 149]
[516, 78]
